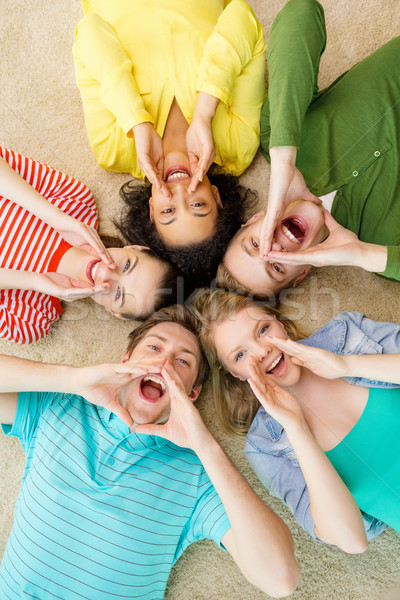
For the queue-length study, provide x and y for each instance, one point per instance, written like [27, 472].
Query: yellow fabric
[132, 57]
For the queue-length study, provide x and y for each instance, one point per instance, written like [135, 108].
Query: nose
[261, 351]
[276, 246]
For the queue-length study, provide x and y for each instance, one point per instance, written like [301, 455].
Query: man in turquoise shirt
[343, 142]
[122, 476]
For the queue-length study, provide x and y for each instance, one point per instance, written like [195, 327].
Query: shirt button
[377, 153]
[355, 173]
[111, 461]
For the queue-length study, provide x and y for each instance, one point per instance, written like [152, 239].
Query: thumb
[148, 429]
[122, 413]
[309, 196]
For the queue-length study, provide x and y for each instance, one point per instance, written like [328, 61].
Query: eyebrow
[127, 273]
[194, 215]
[163, 339]
[240, 345]
[250, 253]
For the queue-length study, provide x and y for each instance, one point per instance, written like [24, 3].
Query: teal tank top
[368, 458]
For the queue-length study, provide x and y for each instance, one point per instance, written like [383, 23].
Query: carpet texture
[41, 116]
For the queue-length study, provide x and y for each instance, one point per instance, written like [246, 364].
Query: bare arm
[258, 540]
[335, 513]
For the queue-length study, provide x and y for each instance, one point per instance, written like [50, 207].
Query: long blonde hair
[235, 403]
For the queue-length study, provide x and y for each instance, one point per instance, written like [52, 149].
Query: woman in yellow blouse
[168, 88]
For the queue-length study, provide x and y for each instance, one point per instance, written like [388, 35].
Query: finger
[174, 383]
[330, 222]
[102, 251]
[293, 258]
[310, 197]
[76, 293]
[289, 346]
[150, 429]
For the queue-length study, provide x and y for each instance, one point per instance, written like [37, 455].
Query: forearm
[19, 280]
[382, 367]
[206, 106]
[264, 546]
[335, 513]
[21, 375]
[15, 188]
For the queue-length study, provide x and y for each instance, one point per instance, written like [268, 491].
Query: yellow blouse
[132, 57]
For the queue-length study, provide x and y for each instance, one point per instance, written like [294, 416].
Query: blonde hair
[235, 403]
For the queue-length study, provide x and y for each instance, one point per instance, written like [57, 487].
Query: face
[147, 397]
[134, 284]
[184, 218]
[302, 226]
[247, 338]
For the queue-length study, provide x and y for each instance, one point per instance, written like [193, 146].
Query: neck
[174, 137]
[74, 263]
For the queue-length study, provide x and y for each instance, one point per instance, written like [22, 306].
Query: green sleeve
[296, 42]
[98, 49]
[236, 39]
[392, 270]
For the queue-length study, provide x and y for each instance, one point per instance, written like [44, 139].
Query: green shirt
[348, 135]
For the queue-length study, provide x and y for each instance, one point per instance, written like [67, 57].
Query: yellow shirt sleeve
[237, 38]
[99, 51]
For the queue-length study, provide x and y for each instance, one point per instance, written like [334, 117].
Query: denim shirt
[268, 449]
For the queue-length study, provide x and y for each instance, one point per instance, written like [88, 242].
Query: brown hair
[180, 315]
[235, 403]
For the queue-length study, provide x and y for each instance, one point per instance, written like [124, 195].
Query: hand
[150, 155]
[83, 236]
[321, 362]
[100, 384]
[200, 148]
[278, 403]
[287, 184]
[342, 247]
[185, 426]
[64, 287]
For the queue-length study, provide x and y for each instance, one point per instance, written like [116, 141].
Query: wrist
[206, 107]
[373, 257]
[203, 443]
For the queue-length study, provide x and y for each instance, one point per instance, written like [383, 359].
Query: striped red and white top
[29, 244]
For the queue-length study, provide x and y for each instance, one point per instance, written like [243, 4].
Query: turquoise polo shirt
[102, 513]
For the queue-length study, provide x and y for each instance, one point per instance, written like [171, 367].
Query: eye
[198, 204]
[239, 356]
[263, 329]
[128, 264]
[166, 211]
[254, 243]
[183, 362]
[153, 348]
[118, 294]
[277, 268]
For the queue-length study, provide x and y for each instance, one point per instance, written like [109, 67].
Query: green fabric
[348, 135]
[368, 458]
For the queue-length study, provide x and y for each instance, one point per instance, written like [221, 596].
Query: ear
[301, 276]
[117, 315]
[194, 394]
[125, 357]
[137, 247]
[254, 218]
[217, 197]
[151, 209]
[236, 376]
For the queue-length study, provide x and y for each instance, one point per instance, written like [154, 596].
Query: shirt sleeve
[208, 520]
[282, 476]
[26, 316]
[98, 49]
[30, 408]
[387, 335]
[237, 38]
[392, 270]
[296, 42]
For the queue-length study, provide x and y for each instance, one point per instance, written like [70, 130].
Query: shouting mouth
[152, 388]
[278, 366]
[294, 229]
[177, 173]
[91, 270]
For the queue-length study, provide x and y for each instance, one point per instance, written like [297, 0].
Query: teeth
[274, 363]
[93, 270]
[290, 235]
[156, 380]
[177, 175]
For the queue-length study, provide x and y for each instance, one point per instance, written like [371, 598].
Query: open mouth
[278, 366]
[177, 173]
[91, 270]
[294, 229]
[152, 388]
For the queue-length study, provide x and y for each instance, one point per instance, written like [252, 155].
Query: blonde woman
[327, 446]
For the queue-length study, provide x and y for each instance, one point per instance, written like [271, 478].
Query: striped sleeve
[70, 195]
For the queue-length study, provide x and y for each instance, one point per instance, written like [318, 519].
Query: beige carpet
[41, 116]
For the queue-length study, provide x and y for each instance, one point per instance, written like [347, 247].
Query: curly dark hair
[196, 263]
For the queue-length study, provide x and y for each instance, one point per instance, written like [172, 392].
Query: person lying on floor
[122, 475]
[50, 250]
